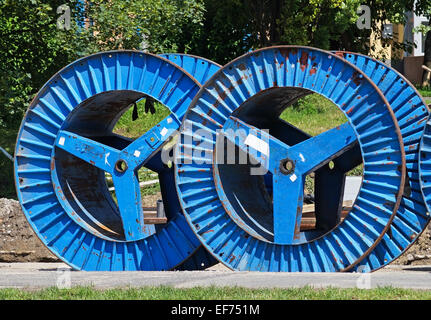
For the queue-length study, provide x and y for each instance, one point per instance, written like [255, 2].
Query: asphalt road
[42, 275]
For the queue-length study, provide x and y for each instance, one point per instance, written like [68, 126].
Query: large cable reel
[66, 145]
[245, 224]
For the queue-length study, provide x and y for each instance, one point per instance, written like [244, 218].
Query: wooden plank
[155, 220]
[309, 208]
[308, 221]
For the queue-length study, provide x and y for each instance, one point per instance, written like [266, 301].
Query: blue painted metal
[65, 146]
[230, 210]
[201, 69]
[411, 112]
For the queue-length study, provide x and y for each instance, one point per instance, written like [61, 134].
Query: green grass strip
[214, 293]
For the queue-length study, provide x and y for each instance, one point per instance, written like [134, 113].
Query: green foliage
[30, 52]
[225, 32]
[154, 25]
[424, 91]
[32, 48]
[318, 23]
[7, 142]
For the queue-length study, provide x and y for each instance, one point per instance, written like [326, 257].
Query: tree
[33, 48]
[30, 52]
[154, 25]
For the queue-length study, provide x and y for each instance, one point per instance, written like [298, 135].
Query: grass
[215, 293]
[424, 91]
[314, 115]
[134, 129]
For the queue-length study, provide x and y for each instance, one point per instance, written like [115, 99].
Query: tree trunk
[426, 79]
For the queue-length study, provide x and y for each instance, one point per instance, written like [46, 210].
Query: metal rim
[201, 69]
[411, 112]
[44, 119]
[206, 215]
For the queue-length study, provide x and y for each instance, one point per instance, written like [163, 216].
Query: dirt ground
[420, 252]
[19, 243]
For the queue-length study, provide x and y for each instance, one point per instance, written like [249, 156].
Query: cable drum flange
[201, 69]
[65, 145]
[412, 113]
[424, 163]
[230, 211]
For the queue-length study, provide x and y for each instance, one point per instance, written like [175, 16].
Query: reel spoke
[318, 150]
[128, 195]
[142, 148]
[287, 207]
[88, 150]
[259, 144]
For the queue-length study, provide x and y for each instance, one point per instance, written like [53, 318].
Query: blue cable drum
[412, 113]
[65, 145]
[227, 204]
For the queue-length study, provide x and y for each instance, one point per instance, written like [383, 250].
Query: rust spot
[285, 51]
[242, 67]
[356, 78]
[232, 258]
[424, 119]
[222, 94]
[350, 110]
[313, 69]
[304, 61]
